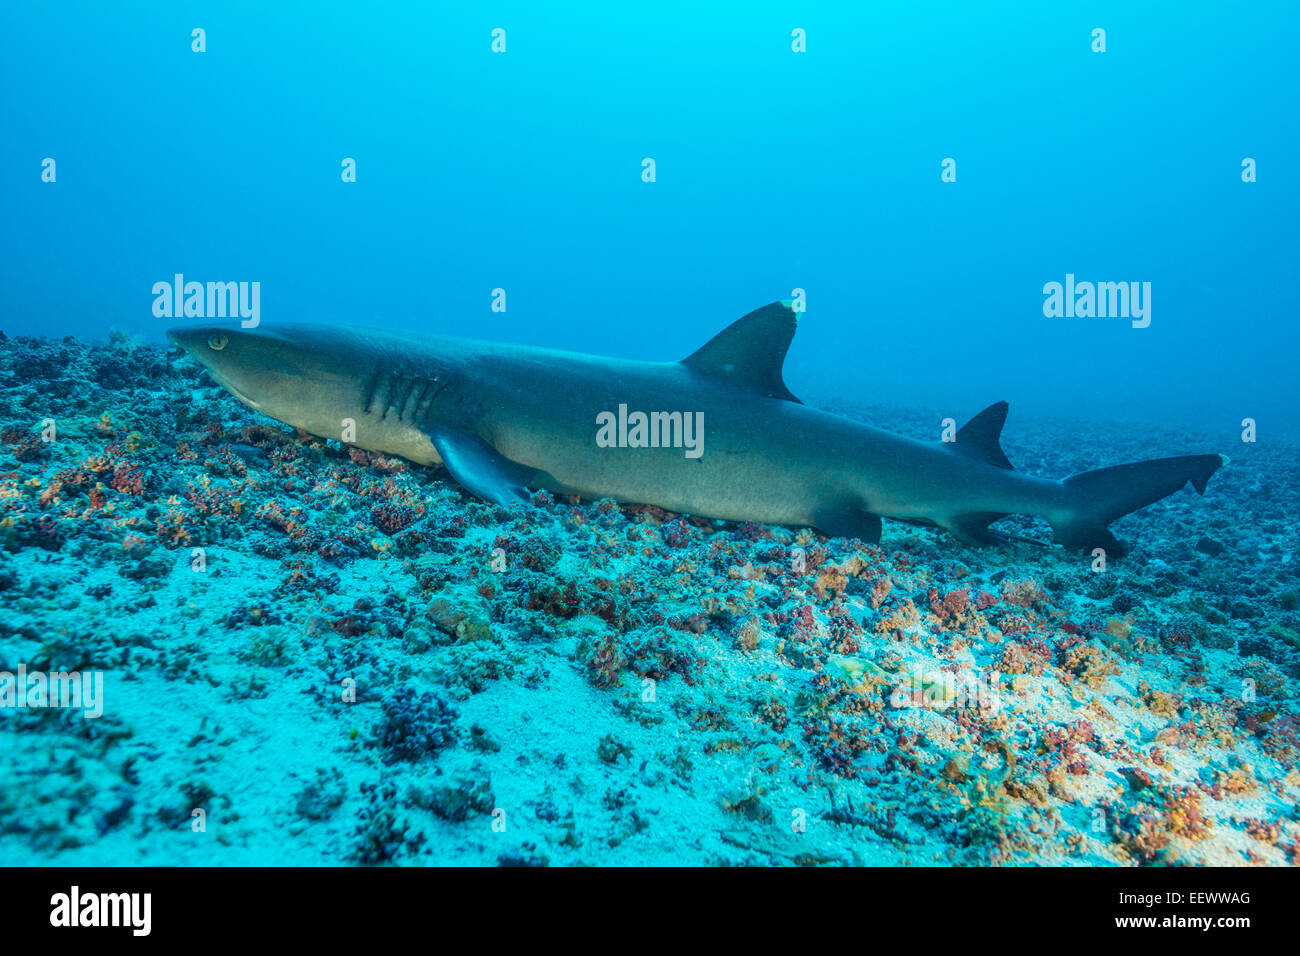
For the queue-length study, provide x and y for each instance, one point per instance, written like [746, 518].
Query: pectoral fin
[481, 468]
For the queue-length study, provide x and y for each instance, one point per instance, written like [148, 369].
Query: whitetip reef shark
[503, 419]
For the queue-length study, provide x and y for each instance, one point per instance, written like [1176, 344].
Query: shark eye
[217, 342]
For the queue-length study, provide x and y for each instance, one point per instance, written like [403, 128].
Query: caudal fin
[1109, 493]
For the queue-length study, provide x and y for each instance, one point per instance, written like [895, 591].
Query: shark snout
[190, 339]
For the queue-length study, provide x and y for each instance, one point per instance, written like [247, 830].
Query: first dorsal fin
[749, 352]
[978, 438]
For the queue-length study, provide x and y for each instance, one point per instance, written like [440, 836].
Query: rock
[457, 799]
[957, 768]
[151, 566]
[1138, 779]
[320, 798]
[1211, 547]
[938, 730]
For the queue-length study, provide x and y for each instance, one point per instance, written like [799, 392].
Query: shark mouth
[221, 380]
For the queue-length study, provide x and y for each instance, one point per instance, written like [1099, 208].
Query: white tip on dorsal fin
[749, 352]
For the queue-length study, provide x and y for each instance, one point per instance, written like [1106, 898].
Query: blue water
[775, 171]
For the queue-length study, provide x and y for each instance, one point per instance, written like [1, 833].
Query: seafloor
[583, 683]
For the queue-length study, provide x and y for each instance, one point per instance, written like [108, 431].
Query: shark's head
[292, 374]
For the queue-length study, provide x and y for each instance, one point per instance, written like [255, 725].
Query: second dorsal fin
[978, 438]
[749, 352]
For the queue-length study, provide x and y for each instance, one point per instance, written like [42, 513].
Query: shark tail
[1103, 495]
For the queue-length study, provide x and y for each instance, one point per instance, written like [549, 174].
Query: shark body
[504, 418]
